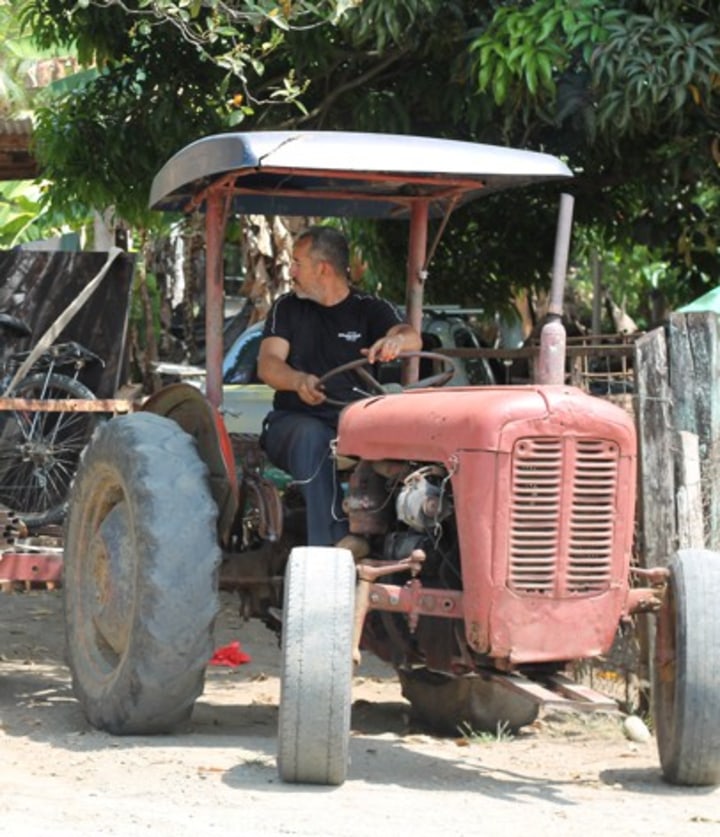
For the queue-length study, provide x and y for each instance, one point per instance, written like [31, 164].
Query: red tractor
[495, 524]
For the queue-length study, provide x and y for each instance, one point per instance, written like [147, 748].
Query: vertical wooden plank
[690, 527]
[694, 341]
[657, 537]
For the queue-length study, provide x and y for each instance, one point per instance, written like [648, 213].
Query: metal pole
[415, 286]
[562, 252]
[214, 296]
[550, 368]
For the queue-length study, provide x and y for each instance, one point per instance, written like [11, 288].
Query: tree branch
[320, 110]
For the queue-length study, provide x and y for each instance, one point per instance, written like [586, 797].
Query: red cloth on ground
[230, 655]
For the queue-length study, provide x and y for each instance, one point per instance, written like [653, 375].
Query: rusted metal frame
[215, 221]
[30, 566]
[531, 351]
[438, 235]
[461, 183]
[416, 276]
[451, 195]
[411, 598]
[644, 600]
[415, 600]
[447, 188]
[594, 339]
[648, 599]
[586, 696]
[67, 405]
[222, 186]
[267, 504]
[563, 694]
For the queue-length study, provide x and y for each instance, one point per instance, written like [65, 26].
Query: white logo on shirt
[350, 336]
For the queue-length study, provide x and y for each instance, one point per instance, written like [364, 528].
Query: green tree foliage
[629, 92]
[166, 74]
[626, 91]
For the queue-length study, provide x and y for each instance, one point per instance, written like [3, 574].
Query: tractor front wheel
[686, 675]
[316, 683]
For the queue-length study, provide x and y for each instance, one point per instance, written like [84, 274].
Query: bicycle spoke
[40, 450]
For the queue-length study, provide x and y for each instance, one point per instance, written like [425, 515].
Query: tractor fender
[189, 408]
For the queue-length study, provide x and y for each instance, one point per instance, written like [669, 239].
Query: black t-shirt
[323, 337]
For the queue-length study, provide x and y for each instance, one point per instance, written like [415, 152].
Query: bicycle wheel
[40, 451]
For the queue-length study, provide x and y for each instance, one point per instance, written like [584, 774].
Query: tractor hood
[431, 425]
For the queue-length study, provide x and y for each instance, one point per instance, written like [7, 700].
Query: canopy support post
[416, 276]
[214, 295]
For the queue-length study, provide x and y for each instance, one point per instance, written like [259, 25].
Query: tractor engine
[400, 508]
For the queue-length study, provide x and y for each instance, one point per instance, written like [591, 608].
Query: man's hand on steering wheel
[385, 349]
[309, 391]
[374, 387]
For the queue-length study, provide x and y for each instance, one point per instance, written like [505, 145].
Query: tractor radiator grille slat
[552, 553]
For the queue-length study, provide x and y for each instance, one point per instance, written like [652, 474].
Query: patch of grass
[502, 733]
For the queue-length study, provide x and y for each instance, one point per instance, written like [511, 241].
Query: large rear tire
[686, 687]
[316, 685]
[141, 561]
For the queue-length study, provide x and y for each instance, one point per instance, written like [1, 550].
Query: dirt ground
[566, 775]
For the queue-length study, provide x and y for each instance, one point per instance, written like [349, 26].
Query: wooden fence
[677, 404]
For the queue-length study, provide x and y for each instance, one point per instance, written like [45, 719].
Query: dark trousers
[300, 445]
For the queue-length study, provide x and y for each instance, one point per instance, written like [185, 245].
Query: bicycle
[40, 448]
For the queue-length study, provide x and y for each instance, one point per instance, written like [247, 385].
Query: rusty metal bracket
[68, 405]
[31, 566]
[412, 598]
[648, 599]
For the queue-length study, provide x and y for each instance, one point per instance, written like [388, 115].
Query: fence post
[656, 477]
[690, 528]
[695, 383]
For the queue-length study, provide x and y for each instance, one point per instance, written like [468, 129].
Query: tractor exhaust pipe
[550, 365]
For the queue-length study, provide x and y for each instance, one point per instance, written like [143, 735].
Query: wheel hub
[112, 581]
[39, 453]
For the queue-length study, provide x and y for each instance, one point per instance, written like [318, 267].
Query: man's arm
[399, 338]
[276, 372]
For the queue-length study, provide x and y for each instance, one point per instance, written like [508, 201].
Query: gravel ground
[566, 774]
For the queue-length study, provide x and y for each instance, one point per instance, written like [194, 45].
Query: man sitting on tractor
[319, 325]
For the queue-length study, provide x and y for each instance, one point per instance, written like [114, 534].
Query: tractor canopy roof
[343, 174]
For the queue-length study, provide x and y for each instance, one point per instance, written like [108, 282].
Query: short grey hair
[329, 244]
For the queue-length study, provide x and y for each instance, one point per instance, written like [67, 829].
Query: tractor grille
[552, 553]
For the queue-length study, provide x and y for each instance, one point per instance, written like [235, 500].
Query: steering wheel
[358, 367]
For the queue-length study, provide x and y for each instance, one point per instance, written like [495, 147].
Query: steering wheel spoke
[370, 380]
[359, 368]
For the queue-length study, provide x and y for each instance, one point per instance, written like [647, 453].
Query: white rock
[635, 729]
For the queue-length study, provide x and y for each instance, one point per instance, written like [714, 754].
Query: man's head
[320, 265]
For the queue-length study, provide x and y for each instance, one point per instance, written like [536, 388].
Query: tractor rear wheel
[686, 675]
[140, 576]
[316, 684]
